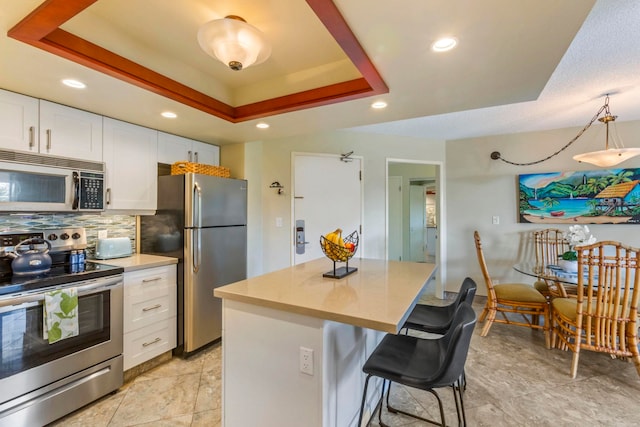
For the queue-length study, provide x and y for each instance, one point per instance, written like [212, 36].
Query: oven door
[29, 362]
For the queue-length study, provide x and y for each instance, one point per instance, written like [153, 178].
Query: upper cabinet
[131, 161]
[18, 122]
[39, 126]
[68, 132]
[172, 148]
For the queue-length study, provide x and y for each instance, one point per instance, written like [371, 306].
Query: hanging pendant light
[234, 42]
[608, 156]
[603, 158]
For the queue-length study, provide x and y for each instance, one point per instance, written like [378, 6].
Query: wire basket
[337, 253]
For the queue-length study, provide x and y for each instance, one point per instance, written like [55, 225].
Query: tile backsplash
[115, 225]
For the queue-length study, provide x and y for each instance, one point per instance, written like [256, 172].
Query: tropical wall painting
[609, 196]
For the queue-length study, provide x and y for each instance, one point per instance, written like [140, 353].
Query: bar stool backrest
[456, 342]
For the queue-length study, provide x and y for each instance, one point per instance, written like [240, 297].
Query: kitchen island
[277, 325]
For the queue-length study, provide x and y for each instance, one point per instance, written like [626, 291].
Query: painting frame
[604, 196]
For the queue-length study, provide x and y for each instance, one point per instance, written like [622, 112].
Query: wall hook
[346, 157]
[276, 184]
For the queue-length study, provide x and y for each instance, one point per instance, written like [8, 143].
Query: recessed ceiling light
[444, 44]
[378, 105]
[262, 125]
[169, 114]
[74, 83]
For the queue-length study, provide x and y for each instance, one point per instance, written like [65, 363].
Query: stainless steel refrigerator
[202, 221]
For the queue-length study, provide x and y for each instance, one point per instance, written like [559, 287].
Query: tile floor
[512, 381]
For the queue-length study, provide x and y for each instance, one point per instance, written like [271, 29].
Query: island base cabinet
[261, 365]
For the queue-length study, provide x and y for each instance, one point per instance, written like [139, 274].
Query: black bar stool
[425, 364]
[437, 319]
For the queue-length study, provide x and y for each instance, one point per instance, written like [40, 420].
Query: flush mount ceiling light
[74, 83]
[379, 105]
[603, 158]
[234, 42]
[169, 114]
[444, 44]
[262, 125]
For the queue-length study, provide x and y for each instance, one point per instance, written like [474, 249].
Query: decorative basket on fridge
[180, 168]
[340, 252]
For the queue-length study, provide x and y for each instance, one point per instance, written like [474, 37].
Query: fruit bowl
[338, 253]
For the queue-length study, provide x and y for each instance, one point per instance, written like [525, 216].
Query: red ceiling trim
[91, 55]
[41, 29]
[333, 20]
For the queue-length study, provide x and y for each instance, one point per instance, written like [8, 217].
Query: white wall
[479, 188]
[274, 244]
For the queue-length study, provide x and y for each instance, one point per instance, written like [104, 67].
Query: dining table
[561, 283]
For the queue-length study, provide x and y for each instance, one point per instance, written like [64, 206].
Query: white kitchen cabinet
[131, 162]
[206, 153]
[18, 122]
[150, 309]
[173, 148]
[69, 132]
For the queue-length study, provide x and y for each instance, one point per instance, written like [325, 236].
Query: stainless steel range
[41, 382]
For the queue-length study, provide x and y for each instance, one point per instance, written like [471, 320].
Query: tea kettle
[31, 261]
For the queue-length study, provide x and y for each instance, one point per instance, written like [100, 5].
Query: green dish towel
[60, 314]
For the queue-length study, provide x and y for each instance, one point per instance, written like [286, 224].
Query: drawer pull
[147, 344]
[155, 279]
[153, 307]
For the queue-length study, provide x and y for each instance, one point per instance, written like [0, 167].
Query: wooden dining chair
[549, 245]
[511, 298]
[604, 315]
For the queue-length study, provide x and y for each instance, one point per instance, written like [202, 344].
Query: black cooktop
[58, 275]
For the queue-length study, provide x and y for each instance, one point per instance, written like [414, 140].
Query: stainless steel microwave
[37, 183]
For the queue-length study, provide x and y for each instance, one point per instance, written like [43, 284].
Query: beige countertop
[138, 261]
[377, 296]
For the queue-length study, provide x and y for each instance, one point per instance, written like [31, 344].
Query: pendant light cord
[497, 156]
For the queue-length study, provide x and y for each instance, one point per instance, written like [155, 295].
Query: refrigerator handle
[197, 235]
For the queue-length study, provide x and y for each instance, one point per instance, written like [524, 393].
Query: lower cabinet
[150, 302]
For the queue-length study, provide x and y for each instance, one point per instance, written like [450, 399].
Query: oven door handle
[34, 298]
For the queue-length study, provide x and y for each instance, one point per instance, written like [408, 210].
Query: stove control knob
[52, 237]
[64, 236]
[75, 236]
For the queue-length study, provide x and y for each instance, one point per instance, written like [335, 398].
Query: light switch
[495, 220]
[279, 221]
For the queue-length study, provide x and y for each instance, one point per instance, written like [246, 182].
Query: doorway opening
[414, 206]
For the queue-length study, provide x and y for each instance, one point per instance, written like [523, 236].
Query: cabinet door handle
[48, 139]
[153, 307]
[189, 155]
[155, 279]
[108, 196]
[147, 344]
[32, 140]
[196, 157]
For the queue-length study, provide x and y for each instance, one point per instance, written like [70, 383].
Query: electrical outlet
[306, 360]
[102, 234]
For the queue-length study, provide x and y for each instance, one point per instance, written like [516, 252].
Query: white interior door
[327, 195]
[394, 192]
[417, 222]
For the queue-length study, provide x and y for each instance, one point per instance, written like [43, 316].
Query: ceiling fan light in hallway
[234, 42]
